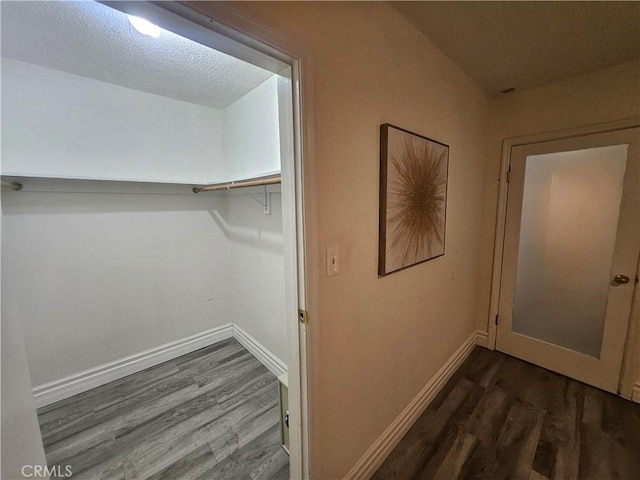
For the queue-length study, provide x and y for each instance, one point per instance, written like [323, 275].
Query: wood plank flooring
[502, 418]
[211, 414]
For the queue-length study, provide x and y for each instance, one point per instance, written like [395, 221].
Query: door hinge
[303, 316]
[509, 174]
[496, 318]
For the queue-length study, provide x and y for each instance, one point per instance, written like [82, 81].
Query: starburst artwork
[413, 198]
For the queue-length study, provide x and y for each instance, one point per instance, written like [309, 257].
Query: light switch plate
[333, 261]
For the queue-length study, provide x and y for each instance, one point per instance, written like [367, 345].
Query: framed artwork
[413, 198]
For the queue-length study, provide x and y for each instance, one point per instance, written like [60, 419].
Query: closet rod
[253, 182]
[11, 185]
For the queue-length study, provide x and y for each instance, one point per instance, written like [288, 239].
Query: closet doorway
[145, 220]
[570, 254]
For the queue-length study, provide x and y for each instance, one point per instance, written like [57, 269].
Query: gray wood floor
[502, 418]
[211, 414]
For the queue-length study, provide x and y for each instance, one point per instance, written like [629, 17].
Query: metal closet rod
[11, 185]
[251, 182]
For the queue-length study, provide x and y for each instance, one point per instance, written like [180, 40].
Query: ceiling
[499, 44]
[527, 44]
[92, 40]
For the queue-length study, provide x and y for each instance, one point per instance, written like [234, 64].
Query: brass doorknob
[621, 279]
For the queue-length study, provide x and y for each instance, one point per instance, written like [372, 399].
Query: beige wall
[375, 342]
[600, 97]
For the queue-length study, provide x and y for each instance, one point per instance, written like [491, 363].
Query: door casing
[226, 28]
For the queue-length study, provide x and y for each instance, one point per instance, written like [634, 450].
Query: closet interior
[142, 220]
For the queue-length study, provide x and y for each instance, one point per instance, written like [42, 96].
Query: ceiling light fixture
[144, 26]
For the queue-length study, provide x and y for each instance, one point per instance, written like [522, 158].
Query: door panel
[572, 226]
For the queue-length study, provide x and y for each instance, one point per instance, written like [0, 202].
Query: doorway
[284, 72]
[570, 256]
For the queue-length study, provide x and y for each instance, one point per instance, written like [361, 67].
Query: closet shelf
[249, 182]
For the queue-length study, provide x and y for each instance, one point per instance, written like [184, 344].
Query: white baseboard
[57, 390]
[51, 392]
[635, 394]
[483, 338]
[268, 359]
[384, 445]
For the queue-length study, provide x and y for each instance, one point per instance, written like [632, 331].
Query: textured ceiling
[90, 39]
[528, 44]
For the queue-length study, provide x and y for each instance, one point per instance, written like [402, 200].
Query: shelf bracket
[265, 202]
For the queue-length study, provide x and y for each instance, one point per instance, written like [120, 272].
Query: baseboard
[55, 391]
[52, 392]
[384, 445]
[268, 359]
[635, 394]
[483, 338]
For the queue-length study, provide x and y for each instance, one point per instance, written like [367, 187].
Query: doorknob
[621, 279]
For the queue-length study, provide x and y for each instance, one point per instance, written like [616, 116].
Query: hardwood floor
[211, 414]
[502, 418]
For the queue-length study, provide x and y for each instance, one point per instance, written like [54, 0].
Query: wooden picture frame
[413, 199]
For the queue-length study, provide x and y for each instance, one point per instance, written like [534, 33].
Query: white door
[572, 238]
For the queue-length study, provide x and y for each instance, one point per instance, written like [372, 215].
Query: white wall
[256, 271]
[60, 125]
[71, 119]
[96, 277]
[251, 140]
[21, 441]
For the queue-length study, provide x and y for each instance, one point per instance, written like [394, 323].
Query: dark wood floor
[502, 418]
[212, 414]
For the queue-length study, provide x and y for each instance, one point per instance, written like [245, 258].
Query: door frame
[501, 213]
[228, 29]
[603, 370]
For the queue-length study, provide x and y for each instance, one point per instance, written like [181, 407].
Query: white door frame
[501, 214]
[228, 29]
